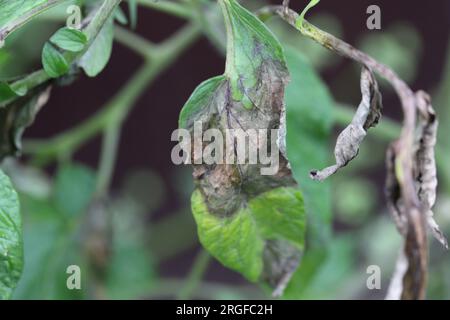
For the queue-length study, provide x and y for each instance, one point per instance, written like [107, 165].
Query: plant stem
[101, 15]
[111, 138]
[209, 32]
[388, 130]
[401, 156]
[116, 110]
[132, 41]
[172, 8]
[195, 275]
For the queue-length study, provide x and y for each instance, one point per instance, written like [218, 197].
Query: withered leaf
[367, 115]
[411, 202]
[425, 170]
[17, 116]
[251, 222]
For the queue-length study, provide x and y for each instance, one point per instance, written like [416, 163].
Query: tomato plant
[256, 136]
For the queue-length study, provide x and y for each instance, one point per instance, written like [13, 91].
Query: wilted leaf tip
[367, 115]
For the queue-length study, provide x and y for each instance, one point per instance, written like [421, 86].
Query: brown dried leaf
[425, 169]
[367, 115]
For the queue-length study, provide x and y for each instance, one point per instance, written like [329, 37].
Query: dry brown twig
[411, 179]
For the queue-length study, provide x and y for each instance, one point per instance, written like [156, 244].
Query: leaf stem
[195, 276]
[116, 110]
[172, 8]
[135, 42]
[401, 153]
[111, 138]
[101, 15]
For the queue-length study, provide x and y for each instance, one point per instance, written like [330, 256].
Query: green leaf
[50, 246]
[8, 92]
[120, 16]
[201, 97]
[74, 189]
[14, 14]
[53, 61]
[17, 116]
[315, 277]
[129, 251]
[309, 121]
[97, 56]
[11, 10]
[69, 39]
[250, 46]
[11, 246]
[299, 22]
[238, 241]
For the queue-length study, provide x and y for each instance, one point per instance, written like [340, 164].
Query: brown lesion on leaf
[227, 187]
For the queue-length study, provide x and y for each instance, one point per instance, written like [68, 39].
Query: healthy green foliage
[53, 61]
[69, 39]
[11, 10]
[120, 16]
[51, 229]
[11, 246]
[238, 241]
[97, 56]
[48, 251]
[8, 92]
[309, 121]
[74, 188]
[309, 110]
[133, 9]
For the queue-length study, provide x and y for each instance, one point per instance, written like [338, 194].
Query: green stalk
[172, 8]
[117, 109]
[92, 30]
[195, 275]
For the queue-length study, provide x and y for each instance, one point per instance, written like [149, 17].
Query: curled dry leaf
[411, 203]
[425, 167]
[367, 115]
